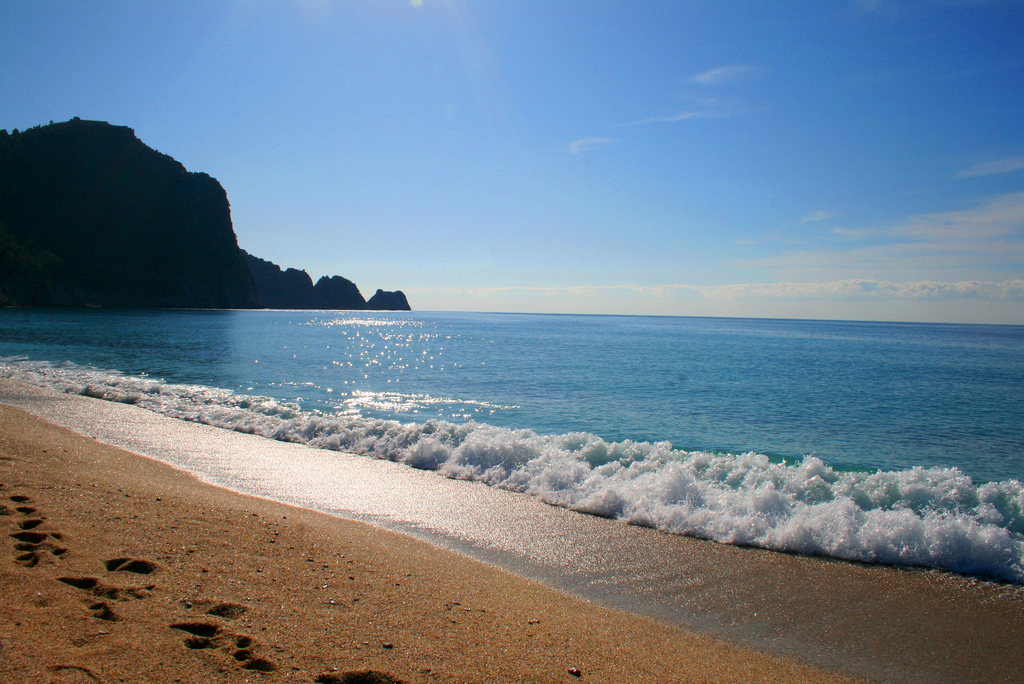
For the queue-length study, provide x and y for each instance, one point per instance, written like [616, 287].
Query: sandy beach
[121, 569]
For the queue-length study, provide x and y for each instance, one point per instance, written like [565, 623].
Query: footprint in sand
[210, 635]
[24, 510]
[99, 588]
[38, 545]
[229, 611]
[103, 611]
[35, 546]
[34, 554]
[102, 590]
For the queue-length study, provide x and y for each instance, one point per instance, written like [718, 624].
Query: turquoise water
[883, 442]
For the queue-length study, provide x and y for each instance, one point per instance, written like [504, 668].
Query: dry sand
[117, 568]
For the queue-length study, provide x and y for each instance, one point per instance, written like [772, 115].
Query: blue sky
[852, 159]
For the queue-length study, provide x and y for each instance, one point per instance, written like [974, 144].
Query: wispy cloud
[856, 289]
[984, 242]
[839, 290]
[849, 233]
[586, 144]
[993, 167]
[997, 217]
[683, 116]
[818, 216]
[723, 74]
[707, 108]
[894, 7]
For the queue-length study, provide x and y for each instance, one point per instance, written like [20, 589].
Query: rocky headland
[290, 288]
[92, 216]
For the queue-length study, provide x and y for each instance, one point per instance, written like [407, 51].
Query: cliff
[338, 293]
[277, 289]
[293, 289]
[89, 215]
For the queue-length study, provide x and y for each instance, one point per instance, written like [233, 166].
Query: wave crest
[931, 517]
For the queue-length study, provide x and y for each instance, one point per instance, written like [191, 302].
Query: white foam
[931, 517]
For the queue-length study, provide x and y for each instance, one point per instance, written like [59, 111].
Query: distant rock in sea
[388, 301]
[91, 216]
[338, 293]
[279, 288]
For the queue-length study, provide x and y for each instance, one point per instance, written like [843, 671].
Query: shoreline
[139, 571]
[877, 622]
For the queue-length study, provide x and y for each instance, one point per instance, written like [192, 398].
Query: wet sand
[119, 568]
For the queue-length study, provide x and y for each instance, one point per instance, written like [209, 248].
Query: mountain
[91, 216]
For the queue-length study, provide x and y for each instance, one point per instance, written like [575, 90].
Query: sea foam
[927, 517]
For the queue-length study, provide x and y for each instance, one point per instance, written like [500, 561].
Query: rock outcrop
[338, 293]
[89, 215]
[279, 288]
[388, 301]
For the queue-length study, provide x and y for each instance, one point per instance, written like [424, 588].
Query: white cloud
[962, 266]
[705, 107]
[849, 234]
[586, 144]
[899, 262]
[993, 167]
[724, 74]
[985, 242]
[682, 116]
[840, 290]
[819, 216]
[708, 108]
[997, 217]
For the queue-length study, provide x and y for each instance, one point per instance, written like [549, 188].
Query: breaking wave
[930, 517]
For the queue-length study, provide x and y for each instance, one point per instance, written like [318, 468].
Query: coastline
[880, 623]
[140, 572]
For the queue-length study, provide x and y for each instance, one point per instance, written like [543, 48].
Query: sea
[883, 443]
